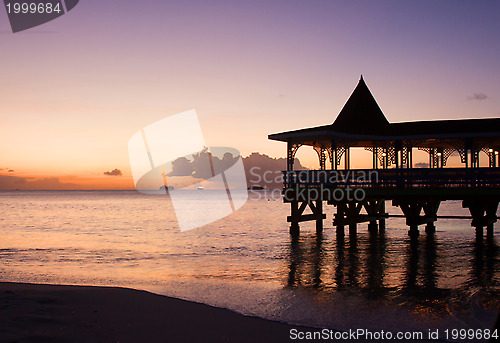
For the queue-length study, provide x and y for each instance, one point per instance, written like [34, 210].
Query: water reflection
[421, 266]
[295, 261]
[340, 260]
[353, 261]
[430, 262]
[484, 252]
[375, 262]
[425, 271]
[317, 259]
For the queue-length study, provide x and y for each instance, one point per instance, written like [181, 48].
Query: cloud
[114, 172]
[182, 167]
[9, 183]
[200, 167]
[477, 96]
[11, 171]
[421, 165]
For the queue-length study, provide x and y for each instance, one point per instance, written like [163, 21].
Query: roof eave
[332, 135]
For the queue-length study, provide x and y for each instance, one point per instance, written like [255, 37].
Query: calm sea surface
[247, 261]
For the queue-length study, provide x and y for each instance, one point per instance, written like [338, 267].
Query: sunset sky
[74, 90]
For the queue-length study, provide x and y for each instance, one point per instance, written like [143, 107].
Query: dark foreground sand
[53, 313]
[49, 313]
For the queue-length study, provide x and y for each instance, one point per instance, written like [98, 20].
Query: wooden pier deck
[360, 195]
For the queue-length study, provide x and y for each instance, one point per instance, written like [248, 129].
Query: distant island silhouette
[264, 171]
[261, 170]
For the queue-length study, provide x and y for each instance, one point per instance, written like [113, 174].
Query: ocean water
[247, 262]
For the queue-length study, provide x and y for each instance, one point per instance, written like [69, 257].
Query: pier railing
[399, 178]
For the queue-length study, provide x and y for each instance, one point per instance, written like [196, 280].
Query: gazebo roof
[361, 113]
[361, 119]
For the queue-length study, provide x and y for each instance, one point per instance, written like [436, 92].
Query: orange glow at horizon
[23, 181]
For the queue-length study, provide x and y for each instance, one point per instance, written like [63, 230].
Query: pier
[360, 195]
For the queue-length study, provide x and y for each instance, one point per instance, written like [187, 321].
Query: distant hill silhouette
[261, 170]
[264, 171]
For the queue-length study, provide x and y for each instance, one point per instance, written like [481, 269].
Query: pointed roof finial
[361, 113]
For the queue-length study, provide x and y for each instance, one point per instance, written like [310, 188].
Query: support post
[382, 216]
[375, 210]
[483, 214]
[489, 231]
[294, 223]
[413, 230]
[353, 229]
[297, 215]
[319, 220]
[372, 226]
[431, 208]
[289, 157]
[430, 228]
[346, 158]
[335, 156]
[375, 158]
[338, 218]
[412, 210]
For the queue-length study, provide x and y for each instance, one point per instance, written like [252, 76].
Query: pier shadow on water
[430, 274]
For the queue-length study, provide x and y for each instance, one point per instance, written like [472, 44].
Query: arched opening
[484, 159]
[361, 158]
[454, 161]
[420, 158]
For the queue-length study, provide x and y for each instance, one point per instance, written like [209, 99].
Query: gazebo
[362, 124]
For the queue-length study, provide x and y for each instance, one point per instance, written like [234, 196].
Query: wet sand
[54, 313]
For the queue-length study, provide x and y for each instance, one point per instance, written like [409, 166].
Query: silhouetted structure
[361, 123]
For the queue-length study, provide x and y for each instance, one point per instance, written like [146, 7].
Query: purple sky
[74, 90]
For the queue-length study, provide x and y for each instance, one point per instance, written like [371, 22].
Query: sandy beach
[54, 313]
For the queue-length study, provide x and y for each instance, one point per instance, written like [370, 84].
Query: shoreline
[62, 313]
